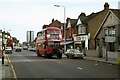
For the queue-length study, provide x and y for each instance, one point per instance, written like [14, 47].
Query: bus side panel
[41, 50]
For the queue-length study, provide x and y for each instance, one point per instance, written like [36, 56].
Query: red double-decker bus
[48, 42]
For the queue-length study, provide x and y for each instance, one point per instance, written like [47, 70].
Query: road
[27, 65]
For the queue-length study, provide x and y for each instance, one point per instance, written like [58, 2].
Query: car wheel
[46, 55]
[71, 56]
[81, 57]
[67, 56]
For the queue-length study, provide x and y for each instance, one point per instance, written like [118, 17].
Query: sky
[20, 16]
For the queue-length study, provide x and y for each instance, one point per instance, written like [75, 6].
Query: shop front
[81, 42]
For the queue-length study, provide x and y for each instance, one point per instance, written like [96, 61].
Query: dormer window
[81, 29]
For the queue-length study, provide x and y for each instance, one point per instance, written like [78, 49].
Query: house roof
[73, 22]
[55, 23]
[116, 12]
[84, 19]
[92, 15]
[45, 26]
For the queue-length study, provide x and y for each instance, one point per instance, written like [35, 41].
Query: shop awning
[67, 42]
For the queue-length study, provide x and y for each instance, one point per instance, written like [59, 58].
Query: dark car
[18, 49]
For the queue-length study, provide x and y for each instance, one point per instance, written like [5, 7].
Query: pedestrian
[84, 51]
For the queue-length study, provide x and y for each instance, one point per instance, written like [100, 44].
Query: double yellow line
[11, 65]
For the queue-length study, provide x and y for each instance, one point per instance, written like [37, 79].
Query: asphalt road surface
[26, 64]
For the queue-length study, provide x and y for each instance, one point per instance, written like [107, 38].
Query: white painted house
[82, 36]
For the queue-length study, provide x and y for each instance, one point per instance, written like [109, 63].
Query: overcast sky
[20, 16]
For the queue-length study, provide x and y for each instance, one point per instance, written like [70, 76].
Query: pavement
[109, 61]
[5, 71]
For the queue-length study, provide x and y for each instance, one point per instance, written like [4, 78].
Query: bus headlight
[60, 36]
[48, 35]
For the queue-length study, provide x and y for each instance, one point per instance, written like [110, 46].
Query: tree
[15, 40]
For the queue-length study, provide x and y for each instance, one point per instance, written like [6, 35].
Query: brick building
[71, 30]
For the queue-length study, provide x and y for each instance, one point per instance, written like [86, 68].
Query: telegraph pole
[2, 48]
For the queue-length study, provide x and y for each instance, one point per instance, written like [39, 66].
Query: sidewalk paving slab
[110, 60]
[5, 71]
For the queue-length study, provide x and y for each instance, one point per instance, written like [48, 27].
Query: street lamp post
[3, 48]
[64, 24]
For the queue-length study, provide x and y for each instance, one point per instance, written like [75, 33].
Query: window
[53, 31]
[50, 43]
[111, 47]
[110, 31]
[39, 44]
[81, 29]
[57, 31]
[41, 37]
[57, 43]
[53, 36]
[50, 32]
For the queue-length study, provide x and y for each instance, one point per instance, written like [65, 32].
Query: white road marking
[79, 68]
[96, 64]
[59, 62]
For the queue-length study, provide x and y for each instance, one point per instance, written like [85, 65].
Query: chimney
[82, 14]
[67, 19]
[52, 20]
[106, 6]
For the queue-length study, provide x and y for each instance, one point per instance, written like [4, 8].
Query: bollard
[2, 58]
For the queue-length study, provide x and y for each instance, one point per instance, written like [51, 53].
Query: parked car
[32, 49]
[8, 50]
[74, 53]
[25, 48]
[18, 49]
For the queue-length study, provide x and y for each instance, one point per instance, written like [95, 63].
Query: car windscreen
[74, 50]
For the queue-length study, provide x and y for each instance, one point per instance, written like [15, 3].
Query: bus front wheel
[38, 54]
[46, 55]
[59, 55]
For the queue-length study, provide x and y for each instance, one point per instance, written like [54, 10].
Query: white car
[74, 53]
[32, 49]
[8, 50]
